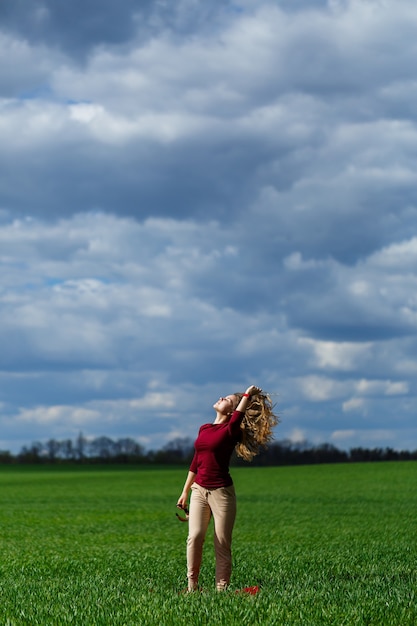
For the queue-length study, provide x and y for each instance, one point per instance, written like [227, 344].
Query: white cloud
[385, 387]
[353, 404]
[154, 400]
[56, 415]
[295, 262]
[321, 389]
[397, 388]
[297, 436]
[376, 438]
[343, 356]
[398, 257]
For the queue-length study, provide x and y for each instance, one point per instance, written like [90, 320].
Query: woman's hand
[182, 504]
[182, 501]
[250, 391]
[253, 390]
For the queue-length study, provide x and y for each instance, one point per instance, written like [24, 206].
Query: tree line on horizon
[180, 451]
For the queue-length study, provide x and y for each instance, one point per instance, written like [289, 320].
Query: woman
[244, 422]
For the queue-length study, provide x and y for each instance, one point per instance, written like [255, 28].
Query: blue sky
[199, 196]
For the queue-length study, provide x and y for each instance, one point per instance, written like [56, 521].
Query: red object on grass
[251, 590]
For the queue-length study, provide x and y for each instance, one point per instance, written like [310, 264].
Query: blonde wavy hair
[256, 426]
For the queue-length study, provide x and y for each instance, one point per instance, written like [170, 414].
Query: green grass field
[327, 544]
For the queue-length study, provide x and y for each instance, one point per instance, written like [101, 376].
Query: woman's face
[225, 404]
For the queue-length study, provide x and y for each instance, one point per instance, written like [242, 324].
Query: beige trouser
[221, 503]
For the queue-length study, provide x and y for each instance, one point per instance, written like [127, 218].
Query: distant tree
[33, 454]
[102, 448]
[128, 448]
[67, 449]
[5, 457]
[183, 446]
[52, 449]
[80, 447]
[328, 453]
[179, 450]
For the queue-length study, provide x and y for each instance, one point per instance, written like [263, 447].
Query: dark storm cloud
[77, 27]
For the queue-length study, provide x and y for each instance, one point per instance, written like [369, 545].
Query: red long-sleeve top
[213, 449]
